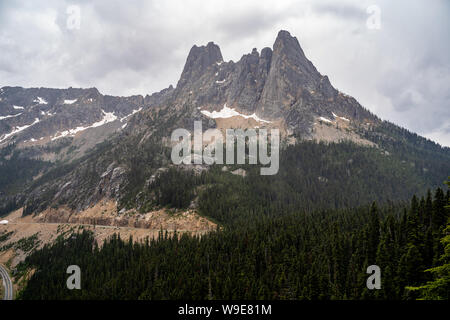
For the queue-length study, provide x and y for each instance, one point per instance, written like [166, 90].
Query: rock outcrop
[280, 84]
[276, 88]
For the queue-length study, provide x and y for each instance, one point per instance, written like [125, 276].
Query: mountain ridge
[118, 159]
[279, 84]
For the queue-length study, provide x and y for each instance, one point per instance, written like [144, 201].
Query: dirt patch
[6, 257]
[338, 131]
[105, 213]
[102, 219]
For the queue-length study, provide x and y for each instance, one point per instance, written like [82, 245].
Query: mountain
[280, 85]
[81, 171]
[81, 147]
[41, 116]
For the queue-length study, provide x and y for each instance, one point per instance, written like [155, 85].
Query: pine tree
[439, 215]
[374, 234]
[385, 255]
[439, 288]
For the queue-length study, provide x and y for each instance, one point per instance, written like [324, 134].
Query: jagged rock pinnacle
[198, 60]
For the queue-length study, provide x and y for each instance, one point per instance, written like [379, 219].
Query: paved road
[7, 284]
[77, 224]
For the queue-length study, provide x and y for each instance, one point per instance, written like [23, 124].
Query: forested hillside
[311, 176]
[125, 141]
[342, 199]
[259, 255]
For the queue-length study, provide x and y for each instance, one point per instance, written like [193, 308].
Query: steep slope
[279, 88]
[41, 128]
[36, 114]
[279, 85]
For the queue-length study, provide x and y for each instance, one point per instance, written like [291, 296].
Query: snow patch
[70, 101]
[10, 116]
[40, 100]
[18, 129]
[325, 119]
[132, 112]
[18, 107]
[336, 116]
[107, 117]
[48, 113]
[230, 112]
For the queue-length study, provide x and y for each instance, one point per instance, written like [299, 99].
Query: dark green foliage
[5, 235]
[175, 188]
[438, 285]
[298, 255]
[427, 159]
[311, 176]
[287, 236]
[16, 169]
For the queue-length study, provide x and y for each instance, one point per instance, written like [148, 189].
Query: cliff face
[277, 88]
[280, 84]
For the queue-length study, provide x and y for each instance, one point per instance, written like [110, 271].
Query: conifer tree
[439, 287]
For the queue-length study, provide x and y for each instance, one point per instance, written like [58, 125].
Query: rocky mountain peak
[198, 60]
[278, 84]
[284, 36]
[266, 53]
[288, 49]
[275, 88]
[291, 73]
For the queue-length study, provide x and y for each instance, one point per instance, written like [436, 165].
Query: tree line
[321, 254]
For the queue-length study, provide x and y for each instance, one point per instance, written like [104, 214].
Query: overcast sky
[400, 71]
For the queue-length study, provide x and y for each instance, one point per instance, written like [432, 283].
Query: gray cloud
[343, 10]
[401, 72]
